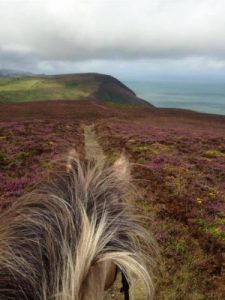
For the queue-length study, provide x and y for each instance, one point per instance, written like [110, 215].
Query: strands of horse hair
[52, 237]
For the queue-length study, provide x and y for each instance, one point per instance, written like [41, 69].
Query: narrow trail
[92, 147]
[94, 150]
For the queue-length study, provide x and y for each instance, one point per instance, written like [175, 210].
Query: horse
[67, 239]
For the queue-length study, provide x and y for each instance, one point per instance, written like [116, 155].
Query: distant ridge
[12, 73]
[26, 87]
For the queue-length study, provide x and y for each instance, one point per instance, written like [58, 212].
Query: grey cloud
[50, 33]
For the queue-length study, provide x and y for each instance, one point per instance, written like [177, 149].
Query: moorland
[178, 166]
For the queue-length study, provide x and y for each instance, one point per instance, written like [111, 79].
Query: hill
[89, 86]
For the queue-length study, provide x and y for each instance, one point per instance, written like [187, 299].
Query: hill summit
[85, 86]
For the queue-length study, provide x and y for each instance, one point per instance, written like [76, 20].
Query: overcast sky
[130, 39]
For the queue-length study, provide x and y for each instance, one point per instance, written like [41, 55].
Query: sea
[208, 97]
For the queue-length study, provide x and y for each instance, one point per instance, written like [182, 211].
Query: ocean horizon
[208, 97]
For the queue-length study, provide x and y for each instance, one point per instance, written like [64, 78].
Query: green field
[26, 89]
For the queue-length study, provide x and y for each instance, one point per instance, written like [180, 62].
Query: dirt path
[92, 147]
[94, 150]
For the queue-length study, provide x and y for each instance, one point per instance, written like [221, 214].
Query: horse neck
[94, 286]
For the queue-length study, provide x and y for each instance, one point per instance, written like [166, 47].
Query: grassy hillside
[65, 87]
[25, 89]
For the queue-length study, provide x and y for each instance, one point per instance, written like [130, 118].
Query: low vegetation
[27, 152]
[181, 173]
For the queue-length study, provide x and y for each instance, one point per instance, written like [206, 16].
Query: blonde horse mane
[50, 238]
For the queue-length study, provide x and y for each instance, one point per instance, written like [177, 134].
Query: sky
[129, 39]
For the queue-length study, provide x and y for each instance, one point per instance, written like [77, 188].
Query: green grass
[18, 84]
[26, 89]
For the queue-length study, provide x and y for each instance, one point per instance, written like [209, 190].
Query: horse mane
[50, 238]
